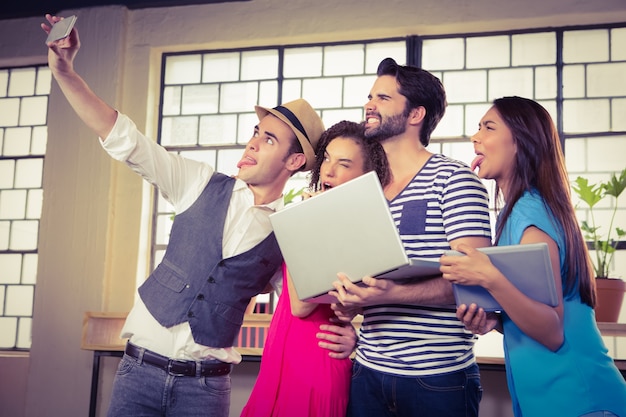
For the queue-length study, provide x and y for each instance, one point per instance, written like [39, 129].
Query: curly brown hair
[373, 152]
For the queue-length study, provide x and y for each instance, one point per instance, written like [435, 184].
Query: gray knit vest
[194, 283]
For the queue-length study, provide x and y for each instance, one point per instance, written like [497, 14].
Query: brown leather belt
[177, 367]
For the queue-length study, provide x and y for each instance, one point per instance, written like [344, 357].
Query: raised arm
[96, 114]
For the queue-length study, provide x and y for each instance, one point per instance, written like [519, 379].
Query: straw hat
[303, 120]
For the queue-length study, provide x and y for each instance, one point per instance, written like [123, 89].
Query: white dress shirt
[181, 181]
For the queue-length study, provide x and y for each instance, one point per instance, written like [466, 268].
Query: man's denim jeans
[143, 390]
[376, 394]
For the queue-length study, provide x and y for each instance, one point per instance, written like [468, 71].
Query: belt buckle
[183, 370]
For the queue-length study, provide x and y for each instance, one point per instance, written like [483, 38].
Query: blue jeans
[377, 394]
[141, 390]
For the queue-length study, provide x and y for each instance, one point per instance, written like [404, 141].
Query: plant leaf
[589, 193]
[616, 185]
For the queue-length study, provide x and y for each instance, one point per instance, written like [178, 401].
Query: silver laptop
[346, 229]
[528, 267]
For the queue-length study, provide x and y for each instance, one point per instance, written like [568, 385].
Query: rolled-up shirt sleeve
[180, 180]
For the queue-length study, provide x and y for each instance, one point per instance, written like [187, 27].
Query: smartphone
[61, 29]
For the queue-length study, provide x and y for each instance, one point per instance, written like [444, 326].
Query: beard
[388, 127]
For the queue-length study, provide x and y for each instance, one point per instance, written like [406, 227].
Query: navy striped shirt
[445, 201]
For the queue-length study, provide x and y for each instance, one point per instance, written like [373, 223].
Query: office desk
[101, 335]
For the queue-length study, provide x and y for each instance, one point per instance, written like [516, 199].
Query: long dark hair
[373, 152]
[539, 163]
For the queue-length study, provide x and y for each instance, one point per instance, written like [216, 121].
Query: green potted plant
[610, 291]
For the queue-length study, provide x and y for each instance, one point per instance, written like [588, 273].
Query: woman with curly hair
[302, 374]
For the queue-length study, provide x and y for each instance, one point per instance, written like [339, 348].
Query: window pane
[8, 329]
[12, 204]
[218, 130]
[323, 92]
[17, 141]
[9, 111]
[183, 69]
[618, 110]
[220, 67]
[545, 82]
[171, 101]
[22, 82]
[259, 65]
[7, 167]
[5, 227]
[4, 82]
[303, 62]
[39, 141]
[24, 333]
[29, 270]
[488, 52]
[44, 81]
[533, 49]
[466, 86]
[11, 267]
[581, 116]
[34, 110]
[24, 235]
[356, 90]
[442, 54]
[177, 131]
[606, 80]
[618, 44]
[573, 81]
[28, 173]
[268, 92]
[575, 155]
[598, 159]
[200, 99]
[511, 82]
[586, 46]
[19, 300]
[344, 60]
[451, 124]
[238, 97]
[34, 203]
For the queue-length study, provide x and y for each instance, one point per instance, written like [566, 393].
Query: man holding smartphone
[221, 252]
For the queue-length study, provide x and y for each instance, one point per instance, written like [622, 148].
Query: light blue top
[579, 377]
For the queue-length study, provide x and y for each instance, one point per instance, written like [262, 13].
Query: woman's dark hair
[421, 88]
[373, 152]
[539, 164]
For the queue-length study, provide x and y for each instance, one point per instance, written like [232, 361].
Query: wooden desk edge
[263, 320]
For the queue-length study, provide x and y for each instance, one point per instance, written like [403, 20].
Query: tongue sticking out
[245, 162]
[477, 161]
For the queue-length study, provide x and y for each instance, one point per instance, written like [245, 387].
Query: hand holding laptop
[528, 267]
[368, 291]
